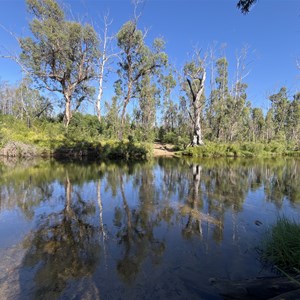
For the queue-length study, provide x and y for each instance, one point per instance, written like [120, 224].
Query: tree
[62, 55]
[218, 98]
[32, 103]
[112, 117]
[293, 119]
[137, 61]
[195, 74]
[258, 123]
[146, 114]
[280, 107]
[269, 125]
[170, 109]
[104, 59]
[23, 102]
[245, 5]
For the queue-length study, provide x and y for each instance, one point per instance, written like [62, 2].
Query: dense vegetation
[198, 105]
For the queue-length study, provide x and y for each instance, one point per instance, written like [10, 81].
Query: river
[153, 230]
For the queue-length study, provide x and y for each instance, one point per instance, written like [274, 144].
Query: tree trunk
[98, 105]
[197, 134]
[197, 137]
[68, 113]
[126, 101]
[101, 75]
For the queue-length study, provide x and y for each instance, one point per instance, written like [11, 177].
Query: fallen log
[258, 288]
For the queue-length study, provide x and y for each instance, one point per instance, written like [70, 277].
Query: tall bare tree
[105, 57]
[195, 74]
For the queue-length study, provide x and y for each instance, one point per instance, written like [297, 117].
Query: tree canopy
[245, 5]
[62, 54]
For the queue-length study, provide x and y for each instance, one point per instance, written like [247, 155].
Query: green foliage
[62, 54]
[125, 150]
[140, 64]
[245, 5]
[84, 127]
[81, 138]
[282, 245]
[213, 149]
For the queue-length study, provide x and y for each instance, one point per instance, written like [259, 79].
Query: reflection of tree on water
[194, 205]
[64, 247]
[103, 233]
[27, 195]
[136, 231]
[281, 181]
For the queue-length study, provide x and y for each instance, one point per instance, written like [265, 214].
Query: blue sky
[271, 30]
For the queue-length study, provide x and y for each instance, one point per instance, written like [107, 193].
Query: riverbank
[129, 150]
[243, 149]
[51, 139]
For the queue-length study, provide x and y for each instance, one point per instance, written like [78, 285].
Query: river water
[154, 230]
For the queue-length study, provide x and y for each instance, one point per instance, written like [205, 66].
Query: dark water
[157, 230]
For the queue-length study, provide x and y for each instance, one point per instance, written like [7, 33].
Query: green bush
[125, 150]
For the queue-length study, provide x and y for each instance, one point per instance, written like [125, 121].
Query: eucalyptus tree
[7, 99]
[280, 107]
[145, 115]
[23, 102]
[112, 117]
[62, 55]
[269, 126]
[105, 59]
[218, 99]
[31, 103]
[257, 124]
[293, 119]
[170, 109]
[137, 61]
[195, 74]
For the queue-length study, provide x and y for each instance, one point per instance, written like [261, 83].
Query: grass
[282, 246]
[243, 149]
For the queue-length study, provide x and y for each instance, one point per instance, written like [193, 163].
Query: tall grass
[282, 246]
[242, 149]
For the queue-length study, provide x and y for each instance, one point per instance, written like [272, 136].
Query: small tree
[62, 54]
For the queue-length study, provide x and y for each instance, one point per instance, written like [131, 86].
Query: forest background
[85, 87]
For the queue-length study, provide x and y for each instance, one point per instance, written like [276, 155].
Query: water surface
[152, 230]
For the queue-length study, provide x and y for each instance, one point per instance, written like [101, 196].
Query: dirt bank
[163, 150]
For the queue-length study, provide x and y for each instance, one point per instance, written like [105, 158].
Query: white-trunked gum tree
[62, 55]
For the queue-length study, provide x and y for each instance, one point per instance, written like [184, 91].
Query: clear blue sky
[271, 30]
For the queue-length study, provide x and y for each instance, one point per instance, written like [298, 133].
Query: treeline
[187, 107]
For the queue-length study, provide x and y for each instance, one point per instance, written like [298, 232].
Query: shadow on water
[159, 229]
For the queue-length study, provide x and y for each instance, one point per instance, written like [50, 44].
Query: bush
[125, 150]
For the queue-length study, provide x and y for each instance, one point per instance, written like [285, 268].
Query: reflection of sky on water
[152, 230]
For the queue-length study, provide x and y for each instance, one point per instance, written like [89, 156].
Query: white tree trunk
[197, 134]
